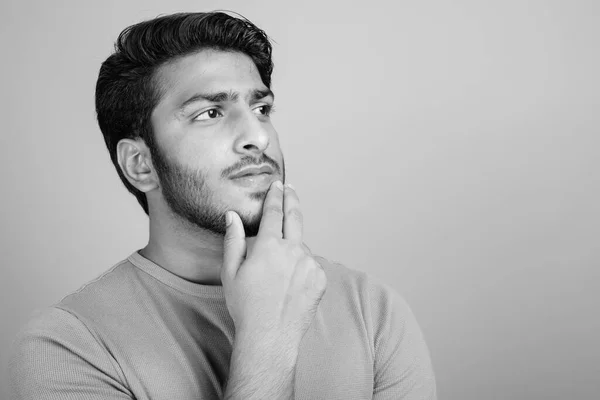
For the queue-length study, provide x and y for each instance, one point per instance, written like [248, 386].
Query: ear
[135, 162]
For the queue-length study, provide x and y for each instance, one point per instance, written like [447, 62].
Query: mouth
[254, 180]
[264, 169]
[250, 175]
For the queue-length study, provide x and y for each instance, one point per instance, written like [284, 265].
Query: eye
[265, 109]
[208, 114]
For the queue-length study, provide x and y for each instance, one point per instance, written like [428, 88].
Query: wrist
[268, 346]
[261, 368]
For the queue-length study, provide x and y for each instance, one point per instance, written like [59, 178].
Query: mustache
[250, 161]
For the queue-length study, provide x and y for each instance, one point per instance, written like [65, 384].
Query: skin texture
[187, 179]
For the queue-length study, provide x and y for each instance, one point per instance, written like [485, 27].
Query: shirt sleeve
[56, 357]
[402, 365]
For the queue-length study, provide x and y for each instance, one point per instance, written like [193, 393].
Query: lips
[264, 169]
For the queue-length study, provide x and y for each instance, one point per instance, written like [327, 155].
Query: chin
[251, 220]
[252, 196]
[248, 204]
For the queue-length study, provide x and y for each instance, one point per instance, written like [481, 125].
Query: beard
[188, 196]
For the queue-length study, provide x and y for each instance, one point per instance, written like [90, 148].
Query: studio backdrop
[448, 148]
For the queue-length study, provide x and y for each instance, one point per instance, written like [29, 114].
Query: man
[225, 301]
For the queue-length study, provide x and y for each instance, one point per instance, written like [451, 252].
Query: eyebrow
[230, 96]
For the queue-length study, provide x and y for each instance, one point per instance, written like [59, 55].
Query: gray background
[450, 149]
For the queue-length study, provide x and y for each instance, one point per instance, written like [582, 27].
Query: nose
[252, 134]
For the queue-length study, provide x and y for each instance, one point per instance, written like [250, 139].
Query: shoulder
[104, 294]
[381, 306]
[354, 280]
[48, 351]
[54, 351]
[52, 323]
[339, 274]
[401, 358]
[61, 341]
[65, 326]
[62, 318]
[80, 316]
[49, 328]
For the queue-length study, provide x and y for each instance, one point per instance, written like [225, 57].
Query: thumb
[234, 245]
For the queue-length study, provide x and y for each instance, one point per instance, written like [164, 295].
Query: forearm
[261, 370]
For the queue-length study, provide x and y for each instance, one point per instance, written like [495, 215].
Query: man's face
[213, 120]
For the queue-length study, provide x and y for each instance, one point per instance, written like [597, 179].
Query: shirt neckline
[174, 281]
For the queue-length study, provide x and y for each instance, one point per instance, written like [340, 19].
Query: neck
[191, 253]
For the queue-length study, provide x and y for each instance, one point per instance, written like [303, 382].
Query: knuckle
[316, 279]
[297, 252]
[294, 213]
[309, 262]
[291, 192]
[301, 266]
[321, 275]
[320, 279]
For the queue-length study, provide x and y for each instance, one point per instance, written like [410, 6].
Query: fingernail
[279, 185]
[228, 218]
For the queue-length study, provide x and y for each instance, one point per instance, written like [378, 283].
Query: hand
[276, 289]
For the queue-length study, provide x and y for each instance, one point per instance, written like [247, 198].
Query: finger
[234, 246]
[271, 222]
[292, 219]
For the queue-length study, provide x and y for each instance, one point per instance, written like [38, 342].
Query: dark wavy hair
[127, 90]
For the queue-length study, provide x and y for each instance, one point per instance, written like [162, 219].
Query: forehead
[206, 71]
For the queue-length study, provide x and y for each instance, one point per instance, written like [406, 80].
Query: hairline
[159, 87]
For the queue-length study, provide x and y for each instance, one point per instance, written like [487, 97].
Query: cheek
[197, 154]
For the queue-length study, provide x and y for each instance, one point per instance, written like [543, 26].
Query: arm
[261, 370]
[403, 368]
[56, 357]
[272, 291]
